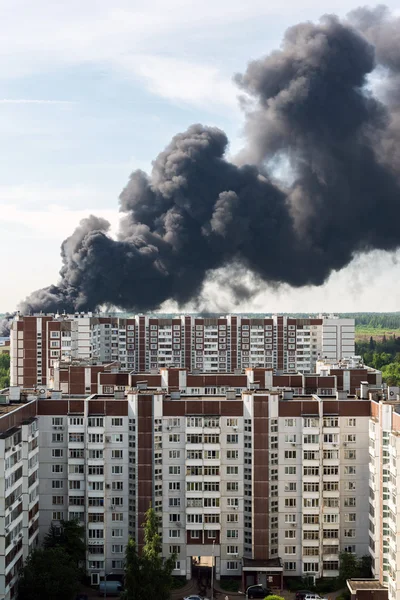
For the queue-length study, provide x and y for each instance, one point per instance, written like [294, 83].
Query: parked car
[110, 588]
[195, 597]
[314, 597]
[257, 591]
[301, 594]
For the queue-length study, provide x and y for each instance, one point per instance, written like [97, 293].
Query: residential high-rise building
[261, 477]
[220, 344]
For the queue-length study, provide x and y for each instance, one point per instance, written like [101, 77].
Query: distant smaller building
[4, 345]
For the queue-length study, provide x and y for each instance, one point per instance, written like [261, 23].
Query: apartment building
[384, 500]
[19, 491]
[251, 477]
[270, 482]
[87, 465]
[144, 343]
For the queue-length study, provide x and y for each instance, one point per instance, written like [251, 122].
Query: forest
[382, 354]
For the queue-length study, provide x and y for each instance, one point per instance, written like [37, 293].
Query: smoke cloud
[310, 106]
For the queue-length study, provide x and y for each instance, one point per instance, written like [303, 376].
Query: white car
[195, 597]
[314, 597]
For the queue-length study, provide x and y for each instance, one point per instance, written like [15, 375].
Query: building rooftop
[355, 585]
[5, 409]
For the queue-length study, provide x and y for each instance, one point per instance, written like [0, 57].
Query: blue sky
[90, 91]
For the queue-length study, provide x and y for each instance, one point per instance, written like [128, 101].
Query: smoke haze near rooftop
[309, 104]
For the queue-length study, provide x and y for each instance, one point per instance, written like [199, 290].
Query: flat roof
[8, 408]
[364, 585]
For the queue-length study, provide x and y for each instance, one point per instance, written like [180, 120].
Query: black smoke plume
[310, 107]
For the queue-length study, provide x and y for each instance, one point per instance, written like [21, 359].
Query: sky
[90, 91]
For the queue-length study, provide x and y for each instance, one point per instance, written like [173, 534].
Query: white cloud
[53, 35]
[203, 86]
[51, 217]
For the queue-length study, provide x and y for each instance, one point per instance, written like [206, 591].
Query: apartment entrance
[202, 572]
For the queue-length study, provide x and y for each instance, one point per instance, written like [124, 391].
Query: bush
[229, 585]
[294, 584]
[178, 582]
[344, 596]
[325, 585]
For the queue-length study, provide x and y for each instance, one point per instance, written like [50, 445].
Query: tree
[48, 573]
[147, 575]
[70, 537]
[348, 566]
[365, 567]
[4, 371]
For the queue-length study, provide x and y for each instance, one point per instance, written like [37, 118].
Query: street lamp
[212, 571]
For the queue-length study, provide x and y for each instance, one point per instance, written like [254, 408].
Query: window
[117, 454]
[232, 486]
[115, 486]
[232, 533]
[351, 422]
[232, 565]
[57, 438]
[232, 470]
[57, 421]
[117, 422]
[290, 454]
[350, 486]
[290, 549]
[58, 500]
[117, 438]
[310, 567]
[174, 470]
[95, 421]
[57, 468]
[117, 517]
[290, 534]
[174, 486]
[290, 518]
[174, 438]
[350, 454]
[290, 470]
[232, 454]
[290, 566]
[290, 438]
[175, 533]
[349, 533]
[117, 548]
[116, 469]
[350, 517]
[232, 518]
[174, 454]
[232, 549]
[97, 534]
[57, 484]
[349, 502]
[231, 422]
[290, 423]
[232, 438]
[94, 454]
[311, 438]
[117, 533]
[350, 470]
[94, 438]
[290, 486]
[290, 502]
[117, 564]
